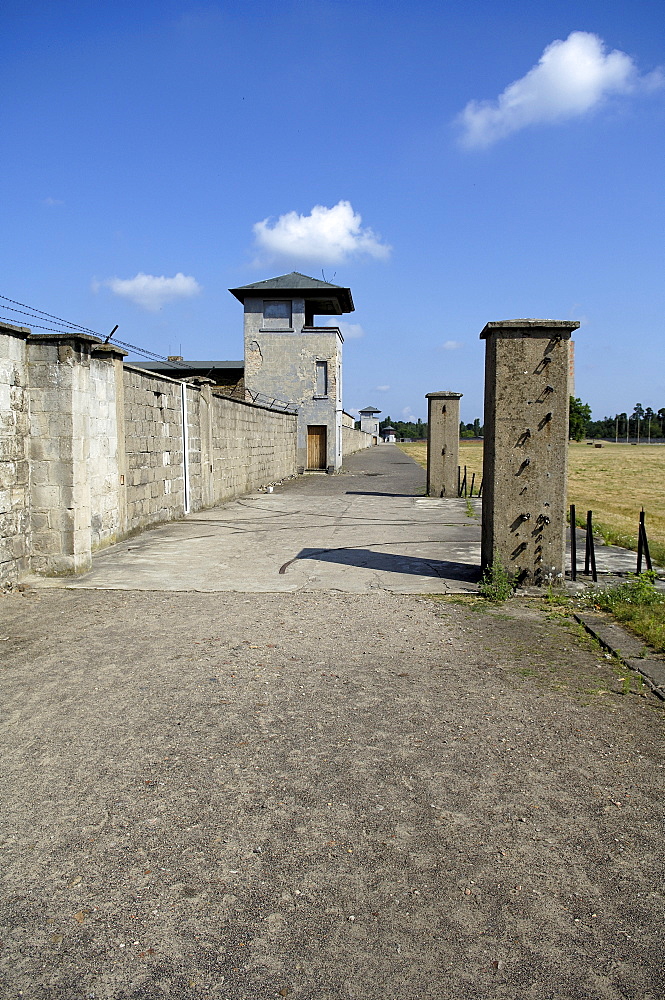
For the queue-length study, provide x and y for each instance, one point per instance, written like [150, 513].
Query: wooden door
[316, 447]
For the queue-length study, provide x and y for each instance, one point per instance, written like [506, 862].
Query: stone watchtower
[289, 357]
[369, 421]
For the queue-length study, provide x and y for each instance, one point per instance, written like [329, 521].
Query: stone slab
[628, 648]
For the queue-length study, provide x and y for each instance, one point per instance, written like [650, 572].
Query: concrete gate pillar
[525, 460]
[442, 443]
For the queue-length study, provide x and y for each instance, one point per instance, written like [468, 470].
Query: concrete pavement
[368, 528]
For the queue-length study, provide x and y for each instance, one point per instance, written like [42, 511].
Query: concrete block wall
[15, 525]
[194, 408]
[252, 447]
[155, 485]
[92, 450]
[105, 441]
[353, 440]
[61, 401]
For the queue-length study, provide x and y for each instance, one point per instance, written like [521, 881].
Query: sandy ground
[322, 795]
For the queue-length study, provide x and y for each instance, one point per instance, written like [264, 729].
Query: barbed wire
[35, 313]
[152, 356]
[36, 326]
[64, 326]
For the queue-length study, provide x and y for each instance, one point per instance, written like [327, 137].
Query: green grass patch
[637, 604]
[497, 584]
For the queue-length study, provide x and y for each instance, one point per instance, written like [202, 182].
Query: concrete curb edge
[626, 648]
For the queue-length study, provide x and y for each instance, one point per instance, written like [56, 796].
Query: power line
[39, 314]
[64, 326]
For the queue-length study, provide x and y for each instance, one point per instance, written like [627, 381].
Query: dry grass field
[614, 481]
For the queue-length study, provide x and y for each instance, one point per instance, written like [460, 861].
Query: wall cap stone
[443, 394]
[67, 337]
[16, 331]
[547, 325]
[110, 349]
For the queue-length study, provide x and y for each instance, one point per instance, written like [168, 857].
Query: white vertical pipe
[185, 444]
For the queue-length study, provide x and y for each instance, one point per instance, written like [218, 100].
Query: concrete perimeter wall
[153, 434]
[15, 527]
[353, 440]
[92, 450]
[252, 446]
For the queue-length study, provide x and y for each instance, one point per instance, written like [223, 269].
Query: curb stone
[626, 648]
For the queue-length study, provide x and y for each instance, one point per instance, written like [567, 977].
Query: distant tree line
[412, 430]
[643, 424]
[474, 430]
[417, 430]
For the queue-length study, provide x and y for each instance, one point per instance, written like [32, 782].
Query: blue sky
[453, 163]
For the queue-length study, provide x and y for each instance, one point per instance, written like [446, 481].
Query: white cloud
[452, 345]
[350, 331]
[382, 388]
[408, 414]
[326, 235]
[570, 78]
[151, 291]
[50, 202]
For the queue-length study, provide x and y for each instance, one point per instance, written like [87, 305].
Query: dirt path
[322, 795]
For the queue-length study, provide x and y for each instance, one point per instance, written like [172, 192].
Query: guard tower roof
[369, 409]
[329, 299]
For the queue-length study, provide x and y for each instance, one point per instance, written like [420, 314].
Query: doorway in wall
[317, 449]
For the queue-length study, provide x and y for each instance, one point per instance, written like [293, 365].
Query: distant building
[289, 357]
[389, 435]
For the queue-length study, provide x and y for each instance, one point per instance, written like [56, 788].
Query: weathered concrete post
[526, 447]
[442, 443]
[76, 496]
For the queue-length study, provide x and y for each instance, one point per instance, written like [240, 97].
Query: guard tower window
[277, 313]
[321, 378]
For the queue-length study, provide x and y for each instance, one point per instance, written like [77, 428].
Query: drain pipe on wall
[185, 444]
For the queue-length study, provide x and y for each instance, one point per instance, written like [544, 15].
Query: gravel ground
[323, 795]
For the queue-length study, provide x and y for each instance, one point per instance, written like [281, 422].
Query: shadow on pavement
[368, 559]
[370, 493]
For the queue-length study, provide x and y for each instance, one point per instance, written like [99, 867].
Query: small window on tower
[321, 378]
[277, 313]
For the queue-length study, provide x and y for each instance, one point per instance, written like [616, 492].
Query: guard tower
[369, 421]
[289, 357]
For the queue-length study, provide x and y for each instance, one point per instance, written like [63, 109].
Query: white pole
[185, 444]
